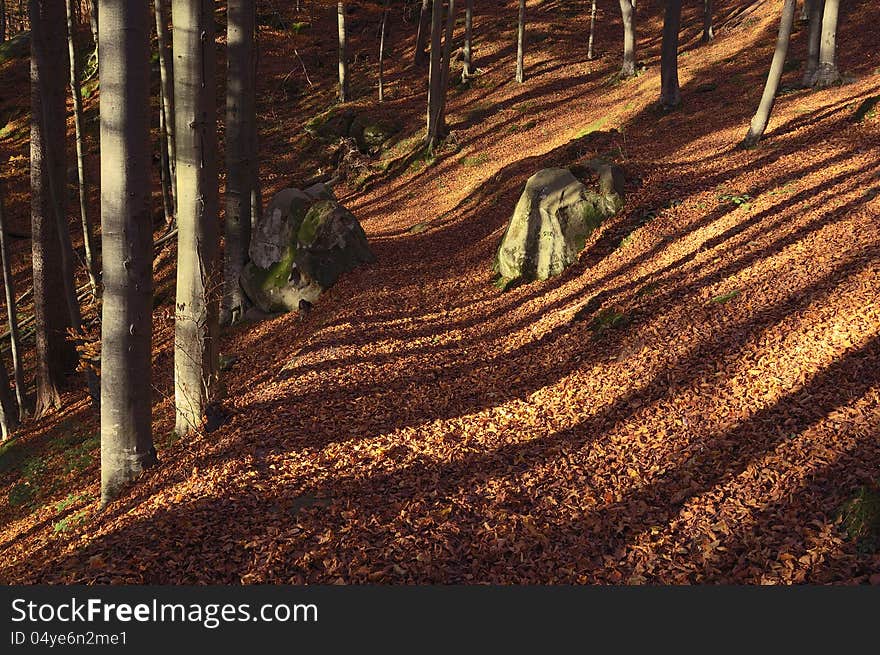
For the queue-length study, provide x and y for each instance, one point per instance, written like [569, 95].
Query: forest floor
[697, 400]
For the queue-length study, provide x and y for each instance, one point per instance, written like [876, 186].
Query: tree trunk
[435, 76]
[240, 116]
[670, 94]
[420, 55]
[12, 314]
[8, 415]
[198, 276]
[828, 73]
[467, 52]
[708, 28]
[2, 21]
[762, 116]
[447, 62]
[521, 42]
[88, 242]
[93, 21]
[815, 8]
[55, 356]
[592, 30]
[382, 51]
[165, 165]
[166, 88]
[127, 245]
[628, 14]
[343, 56]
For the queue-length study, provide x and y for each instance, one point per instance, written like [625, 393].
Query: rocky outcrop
[555, 215]
[302, 244]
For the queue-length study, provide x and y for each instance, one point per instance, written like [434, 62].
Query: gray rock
[552, 220]
[300, 247]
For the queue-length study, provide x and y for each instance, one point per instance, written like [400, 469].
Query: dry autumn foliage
[697, 400]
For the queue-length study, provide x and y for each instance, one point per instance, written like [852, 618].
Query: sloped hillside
[696, 400]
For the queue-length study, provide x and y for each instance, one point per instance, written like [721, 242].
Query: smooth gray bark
[828, 73]
[127, 244]
[467, 54]
[815, 8]
[240, 116]
[420, 54]
[199, 278]
[435, 76]
[768, 98]
[21, 395]
[382, 29]
[628, 15]
[88, 239]
[521, 42]
[166, 94]
[343, 55]
[447, 60]
[592, 30]
[670, 93]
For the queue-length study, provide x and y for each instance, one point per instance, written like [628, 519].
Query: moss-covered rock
[301, 245]
[555, 215]
[371, 135]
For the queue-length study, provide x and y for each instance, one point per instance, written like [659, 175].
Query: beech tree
[127, 244]
[166, 111]
[12, 315]
[762, 115]
[382, 28]
[240, 153]
[628, 15]
[670, 93]
[521, 42]
[467, 54]
[828, 73]
[76, 94]
[198, 276]
[814, 9]
[592, 29]
[55, 355]
[435, 77]
[420, 54]
[2, 21]
[708, 28]
[343, 55]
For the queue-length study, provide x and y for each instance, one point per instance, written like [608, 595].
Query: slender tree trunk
[166, 80]
[828, 73]
[2, 21]
[8, 415]
[382, 51]
[93, 21]
[762, 116]
[343, 56]
[165, 165]
[670, 94]
[435, 75]
[199, 279]
[55, 356]
[592, 30]
[254, 135]
[240, 115]
[708, 27]
[127, 245]
[815, 8]
[521, 42]
[420, 54]
[628, 15]
[467, 52]
[12, 314]
[447, 62]
[88, 242]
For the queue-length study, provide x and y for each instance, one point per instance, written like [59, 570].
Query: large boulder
[552, 220]
[302, 244]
